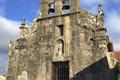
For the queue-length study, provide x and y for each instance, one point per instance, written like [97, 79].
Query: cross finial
[23, 21]
[100, 3]
[100, 6]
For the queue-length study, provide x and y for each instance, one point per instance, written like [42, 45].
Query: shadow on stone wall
[97, 71]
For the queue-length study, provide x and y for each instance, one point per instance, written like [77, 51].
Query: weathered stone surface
[73, 37]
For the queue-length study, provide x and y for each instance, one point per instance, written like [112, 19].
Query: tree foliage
[117, 71]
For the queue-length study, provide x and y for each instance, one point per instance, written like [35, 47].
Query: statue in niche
[60, 51]
[23, 76]
[60, 47]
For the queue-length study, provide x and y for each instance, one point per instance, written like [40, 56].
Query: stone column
[74, 5]
[58, 5]
[44, 6]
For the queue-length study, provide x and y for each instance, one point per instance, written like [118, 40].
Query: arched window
[60, 47]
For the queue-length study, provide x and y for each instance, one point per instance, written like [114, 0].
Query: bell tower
[64, 43]
[57, 7]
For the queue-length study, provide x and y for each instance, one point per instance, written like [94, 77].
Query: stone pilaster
[44, 6]
[74, 4]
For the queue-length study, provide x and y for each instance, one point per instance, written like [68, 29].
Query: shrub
[117, 71]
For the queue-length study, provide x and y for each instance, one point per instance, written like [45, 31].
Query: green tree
[117, 71]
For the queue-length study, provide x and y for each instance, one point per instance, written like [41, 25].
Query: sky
[12, 11]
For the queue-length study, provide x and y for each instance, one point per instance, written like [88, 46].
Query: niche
[59, 47]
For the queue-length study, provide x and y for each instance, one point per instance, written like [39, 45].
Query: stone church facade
[64, 43]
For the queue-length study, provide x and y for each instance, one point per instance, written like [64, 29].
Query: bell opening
[51, 8]
[66, 5]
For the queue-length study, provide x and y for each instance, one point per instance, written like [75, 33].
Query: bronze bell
[51, 8]
[66, 5]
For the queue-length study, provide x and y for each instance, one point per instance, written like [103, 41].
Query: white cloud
[9, 25]
[113, 26]
[8, 30]
[116, 46]
[113, 21]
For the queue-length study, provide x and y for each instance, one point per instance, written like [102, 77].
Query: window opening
[60, 30]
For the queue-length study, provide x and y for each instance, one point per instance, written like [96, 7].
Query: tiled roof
[116, 54]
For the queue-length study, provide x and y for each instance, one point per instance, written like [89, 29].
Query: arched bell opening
[59, 47]
[51, 10]
[66, 6]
